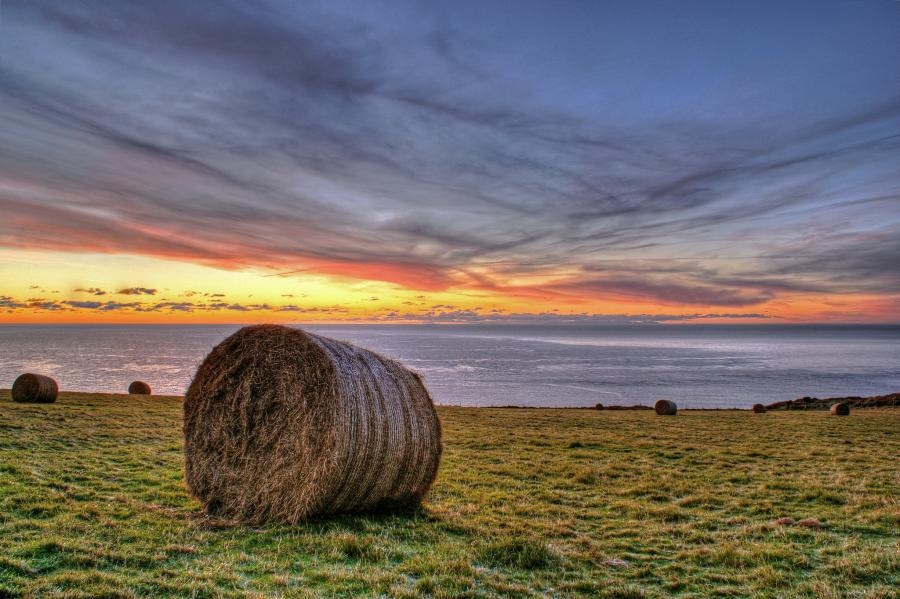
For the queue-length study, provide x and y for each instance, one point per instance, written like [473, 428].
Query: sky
[548, 162]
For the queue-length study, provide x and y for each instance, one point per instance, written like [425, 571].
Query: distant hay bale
[139, 388]
[758, 408]
[840, 409]
[34, 388]
[664, 407]
[281, 424]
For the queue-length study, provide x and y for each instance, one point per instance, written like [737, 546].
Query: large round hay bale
[139, 388]
[758, 408]
[840, 409]
[664, 407]
[281, 424]
[34, 388]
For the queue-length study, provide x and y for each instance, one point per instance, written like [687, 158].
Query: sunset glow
[326, 164]
[57, 287]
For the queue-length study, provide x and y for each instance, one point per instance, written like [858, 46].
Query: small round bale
[664, 407]
[840, 409]
[139, 388]
[281, 425]
[758, 408]
[34, 388]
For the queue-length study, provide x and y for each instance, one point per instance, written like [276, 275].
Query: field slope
[527, 503]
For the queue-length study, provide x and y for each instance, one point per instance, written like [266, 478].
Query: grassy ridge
[528, 502]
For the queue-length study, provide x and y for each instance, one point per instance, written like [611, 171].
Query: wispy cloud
[136, 291]
[672, 292]
[437, 314]
[551, 318]
[91, 290]
[439, 156]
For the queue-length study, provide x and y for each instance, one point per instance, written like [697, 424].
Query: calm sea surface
[696, 366]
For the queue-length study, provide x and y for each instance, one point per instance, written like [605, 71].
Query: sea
[697, 366]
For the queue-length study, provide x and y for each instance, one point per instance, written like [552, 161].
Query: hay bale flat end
[840, 409]
[665, 407]
[34, 388]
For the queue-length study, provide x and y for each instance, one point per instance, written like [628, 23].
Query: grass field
[527, 503]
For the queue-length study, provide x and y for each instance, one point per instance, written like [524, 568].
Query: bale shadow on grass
[410, 512]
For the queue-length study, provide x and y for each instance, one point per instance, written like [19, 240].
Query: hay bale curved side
[34, 388]
[665, 407]
[840, 409]
[758, 408]
[280, 424]
[139, 388]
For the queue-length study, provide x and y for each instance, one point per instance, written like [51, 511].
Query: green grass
[527, 503]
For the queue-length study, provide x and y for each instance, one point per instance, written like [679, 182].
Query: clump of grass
[586, 476]
[525, 554]
[357, 547]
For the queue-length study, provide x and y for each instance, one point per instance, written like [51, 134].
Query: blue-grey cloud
[84, 304]
[464, 144]
[667, 292]
[10, 303]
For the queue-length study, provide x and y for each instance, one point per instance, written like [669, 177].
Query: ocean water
[696, 366]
